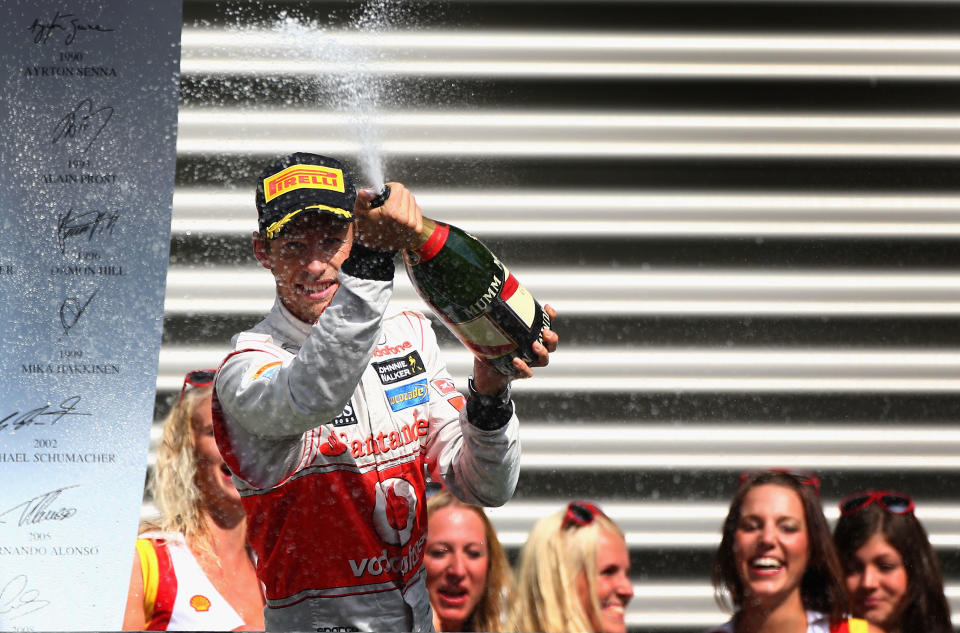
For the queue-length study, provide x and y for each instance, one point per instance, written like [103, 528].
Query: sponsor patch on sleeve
[266, 371]
[457, 402]
[407, 396]
[347, 417]
[443, 386]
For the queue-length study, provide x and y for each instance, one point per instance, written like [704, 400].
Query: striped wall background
[746, 213]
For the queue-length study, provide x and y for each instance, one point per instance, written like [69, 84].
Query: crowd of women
[778, 568]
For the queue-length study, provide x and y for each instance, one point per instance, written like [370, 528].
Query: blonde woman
[468, 576]
[193, 570]
[574, 575]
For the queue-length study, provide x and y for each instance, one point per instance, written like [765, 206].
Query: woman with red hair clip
[892, 573]
[192, 569]
[574, 575]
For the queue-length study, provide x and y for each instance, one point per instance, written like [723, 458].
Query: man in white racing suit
[330, 415]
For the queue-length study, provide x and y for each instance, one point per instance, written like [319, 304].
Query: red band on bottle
[434, 243]
[509, 287]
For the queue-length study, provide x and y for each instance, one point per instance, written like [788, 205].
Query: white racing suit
[329, 431]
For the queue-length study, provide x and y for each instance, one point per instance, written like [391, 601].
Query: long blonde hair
[173, 484]
[553, 557]
[498, 591]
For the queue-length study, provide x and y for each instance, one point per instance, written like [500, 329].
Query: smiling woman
[192, 569]
[892, 573]
[574, 574]
[776, 566]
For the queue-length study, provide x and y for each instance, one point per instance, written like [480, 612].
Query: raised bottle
[476, 296]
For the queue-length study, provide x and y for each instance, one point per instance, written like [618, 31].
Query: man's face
[305, 260]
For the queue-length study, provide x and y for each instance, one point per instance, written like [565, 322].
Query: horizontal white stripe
[210, 121]
[327, 52]
[607, 291]
[198, 41]
[582, 134]
[544, 214]
[604, 369]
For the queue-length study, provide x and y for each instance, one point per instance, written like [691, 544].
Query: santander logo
[391, 350]
[333, 446]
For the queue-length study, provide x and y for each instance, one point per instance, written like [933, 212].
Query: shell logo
[200, 603]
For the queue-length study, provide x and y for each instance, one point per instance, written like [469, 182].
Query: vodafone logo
[394, 511]
[394, 516]
[392, 350]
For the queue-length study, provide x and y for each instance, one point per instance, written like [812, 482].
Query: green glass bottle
[476, 296]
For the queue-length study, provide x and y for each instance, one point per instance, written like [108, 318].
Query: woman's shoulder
[820, 623]
[849, 625]
[161, 536]
[816, 623]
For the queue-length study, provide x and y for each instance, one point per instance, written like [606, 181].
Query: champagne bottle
[476, 296]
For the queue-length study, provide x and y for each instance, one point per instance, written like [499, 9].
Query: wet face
[213, 478]
[877, 582]
[305, 261]
[771, 544]
[614, 590]
[457, 561]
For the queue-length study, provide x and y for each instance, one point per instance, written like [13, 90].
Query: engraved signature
[37, 509]
[72, 309]
[83, 121]
[64, 22]
[17, 600]
[90, 223]
[17, 420]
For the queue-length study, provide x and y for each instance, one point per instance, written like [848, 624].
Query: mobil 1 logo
[400, 368]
